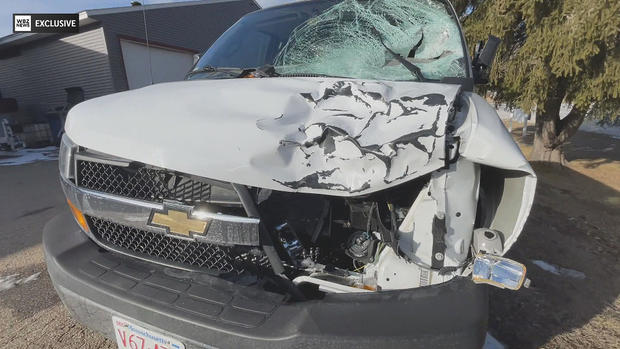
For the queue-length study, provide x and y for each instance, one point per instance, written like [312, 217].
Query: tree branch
[568, 126]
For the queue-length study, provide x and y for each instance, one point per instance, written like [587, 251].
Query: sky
[8, 7]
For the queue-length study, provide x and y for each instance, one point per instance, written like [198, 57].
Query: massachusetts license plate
[131, 336]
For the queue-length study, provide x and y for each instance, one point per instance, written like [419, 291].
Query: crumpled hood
[315, 135]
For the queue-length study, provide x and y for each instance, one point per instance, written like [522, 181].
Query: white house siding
[38, 76]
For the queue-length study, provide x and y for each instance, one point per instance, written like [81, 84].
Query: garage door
[167, 64]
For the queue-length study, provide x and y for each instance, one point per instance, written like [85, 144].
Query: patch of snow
[503, 112]
[491, 343]
[26, 156]
[516, 114]
[8, 282]
[557, 270]
[32, 277]
[565, 109]
[506, 113]
[591, 126]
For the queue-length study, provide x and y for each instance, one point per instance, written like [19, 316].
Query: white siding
[38, 76]
[165, 64]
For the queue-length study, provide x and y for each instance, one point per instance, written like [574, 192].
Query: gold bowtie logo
[178, 222]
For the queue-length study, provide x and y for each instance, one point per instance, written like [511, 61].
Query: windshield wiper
[310, 75]
[269, 70]
[414, 69]
[205, 69]
[259, 72]
[211, 69]
[265, 71]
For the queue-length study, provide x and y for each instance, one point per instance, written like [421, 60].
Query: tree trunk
[552, 132]
[542, 150]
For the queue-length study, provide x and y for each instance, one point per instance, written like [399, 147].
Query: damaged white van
[325, 177]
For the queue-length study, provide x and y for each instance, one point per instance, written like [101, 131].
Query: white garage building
[110, 53]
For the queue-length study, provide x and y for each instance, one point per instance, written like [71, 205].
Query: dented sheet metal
[360, 135]
[315, 135]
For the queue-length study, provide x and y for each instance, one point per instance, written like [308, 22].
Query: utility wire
[148, 47]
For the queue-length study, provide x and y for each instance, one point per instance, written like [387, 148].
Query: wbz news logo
[46, 23]
[22, 23]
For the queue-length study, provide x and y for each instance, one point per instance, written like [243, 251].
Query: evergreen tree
[552, 52]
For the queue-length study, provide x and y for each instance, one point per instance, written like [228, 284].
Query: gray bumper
[204, 311]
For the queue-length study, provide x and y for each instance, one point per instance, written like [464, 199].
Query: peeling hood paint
[314, 135]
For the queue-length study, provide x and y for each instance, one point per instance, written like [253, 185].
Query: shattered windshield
[377, 39]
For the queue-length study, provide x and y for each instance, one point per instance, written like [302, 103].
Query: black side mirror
[483, 59]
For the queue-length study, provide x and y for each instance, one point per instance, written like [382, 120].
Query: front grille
[141, 182]
[164, 248]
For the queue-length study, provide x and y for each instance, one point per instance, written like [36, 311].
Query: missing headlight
[323, 233]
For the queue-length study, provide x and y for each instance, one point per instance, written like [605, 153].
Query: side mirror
[483, 59]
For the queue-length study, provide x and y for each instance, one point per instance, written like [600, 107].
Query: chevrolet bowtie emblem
[177, 219]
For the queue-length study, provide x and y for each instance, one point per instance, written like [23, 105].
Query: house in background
[109, 54]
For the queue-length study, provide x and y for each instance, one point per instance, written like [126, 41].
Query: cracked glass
[379, 39]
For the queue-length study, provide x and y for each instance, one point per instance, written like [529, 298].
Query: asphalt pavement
[31, 314]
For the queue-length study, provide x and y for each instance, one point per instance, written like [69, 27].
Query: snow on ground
[8, 282]
[26, 156]
[503, 112]
[517, 115]
[588, 125]
[591, 126]
[557, 270]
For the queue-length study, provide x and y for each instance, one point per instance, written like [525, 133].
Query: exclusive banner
[46, 23]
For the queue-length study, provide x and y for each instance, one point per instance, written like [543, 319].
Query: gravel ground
[574, 225]
[31, 314]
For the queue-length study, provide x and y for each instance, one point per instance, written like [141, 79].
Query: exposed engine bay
[423, 232]
[335, 239]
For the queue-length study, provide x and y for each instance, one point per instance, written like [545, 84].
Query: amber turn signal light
[79, 216]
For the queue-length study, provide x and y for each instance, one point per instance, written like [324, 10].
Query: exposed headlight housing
[499, 272]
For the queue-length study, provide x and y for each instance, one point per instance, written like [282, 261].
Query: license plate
[131, 336]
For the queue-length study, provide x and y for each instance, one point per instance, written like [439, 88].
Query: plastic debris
[491, 343]
[557, 270]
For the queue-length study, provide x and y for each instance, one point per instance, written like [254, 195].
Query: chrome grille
[141, 182]
[164, 248]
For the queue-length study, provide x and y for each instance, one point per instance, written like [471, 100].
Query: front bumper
[204, 311]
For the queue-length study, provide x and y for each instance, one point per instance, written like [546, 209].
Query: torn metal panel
[486, 141]
[393, 272]
[361, 135]
[437, 230]
[456, 191]
[326, 136]
[415, 234]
